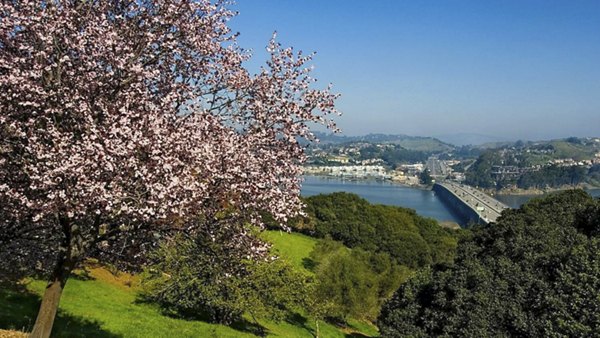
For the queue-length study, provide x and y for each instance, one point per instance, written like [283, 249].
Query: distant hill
[572, 147]
[498, 144]
[419, 143]
[539, 165]
[464, 139]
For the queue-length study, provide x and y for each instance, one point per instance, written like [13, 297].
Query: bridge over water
[469, 202]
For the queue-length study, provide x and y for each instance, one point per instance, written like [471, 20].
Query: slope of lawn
[100, 304]
[293, 247]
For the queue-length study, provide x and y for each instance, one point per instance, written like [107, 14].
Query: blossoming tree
[122, 122]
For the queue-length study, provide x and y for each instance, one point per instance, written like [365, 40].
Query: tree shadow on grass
[355, 333]
[309, 264]
[82, 275]
[242, 324]
[19, 309]
[247, 326]
[299, 320]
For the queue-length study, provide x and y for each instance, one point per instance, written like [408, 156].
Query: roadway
[437, 168]
[485, 206]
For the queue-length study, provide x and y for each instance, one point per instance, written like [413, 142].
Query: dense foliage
[529, 166]
[535, 273]
[425, 177]
[409, 239]
[353, 283]
[480, 173]
[124, 119]
[366, 251]
[211, 280]
[553, 176]
[594, 174]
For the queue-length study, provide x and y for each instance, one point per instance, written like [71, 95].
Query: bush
[354, 283]
[201, 278]
[535, 273]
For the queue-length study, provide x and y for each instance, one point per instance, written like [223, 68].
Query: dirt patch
[122, 280]
[12, 334]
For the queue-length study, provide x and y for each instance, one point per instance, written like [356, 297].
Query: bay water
[425, 202]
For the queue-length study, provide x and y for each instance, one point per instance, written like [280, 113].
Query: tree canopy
[534, 273]
[213, 280]
[353, 282]
[408, 238]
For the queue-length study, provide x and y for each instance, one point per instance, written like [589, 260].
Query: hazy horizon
[508, 69]
[460, 139]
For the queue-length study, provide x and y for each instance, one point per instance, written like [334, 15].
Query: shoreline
[503, 192]
[372, 179]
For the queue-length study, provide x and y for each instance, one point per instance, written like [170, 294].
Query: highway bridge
[469, 202]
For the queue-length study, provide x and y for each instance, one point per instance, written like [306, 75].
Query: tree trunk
[45, 318]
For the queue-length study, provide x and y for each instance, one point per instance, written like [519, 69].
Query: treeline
[480, 173]
[553, 176]
[535, 273]
[410, 239]
[368, 250]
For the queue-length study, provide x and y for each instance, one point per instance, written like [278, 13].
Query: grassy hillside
[578, 152]
[426, 144]
[293, 247]
[100, 304]
[420, 143]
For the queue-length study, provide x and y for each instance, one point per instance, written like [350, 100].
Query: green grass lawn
[293, 247]
[104, 305]
[99, 308]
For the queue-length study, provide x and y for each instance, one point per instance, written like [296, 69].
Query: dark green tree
[207, 279]
[354, 283]
[425, 177]
[480, 173]
[535, 273]
[408, 238]
[553, 176]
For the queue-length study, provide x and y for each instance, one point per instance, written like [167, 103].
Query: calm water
[425, 202]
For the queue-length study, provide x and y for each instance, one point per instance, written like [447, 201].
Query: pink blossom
[118, 122]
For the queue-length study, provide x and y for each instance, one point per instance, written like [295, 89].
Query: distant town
[419, 161]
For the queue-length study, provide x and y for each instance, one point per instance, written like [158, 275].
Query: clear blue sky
[513, 69]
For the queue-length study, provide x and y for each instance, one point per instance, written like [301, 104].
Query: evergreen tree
[535, 273]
